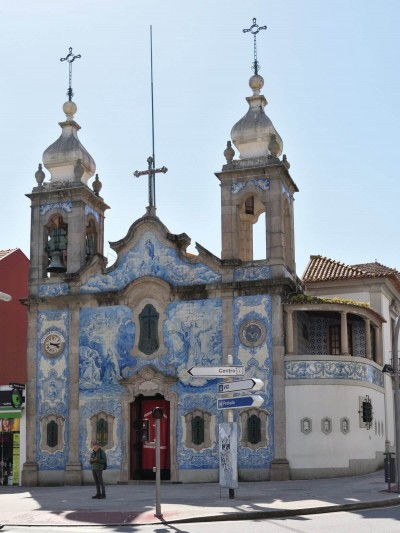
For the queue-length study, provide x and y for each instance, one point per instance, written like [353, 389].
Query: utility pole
[396, 380]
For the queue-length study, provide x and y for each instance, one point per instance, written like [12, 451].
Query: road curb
[282, 513]
[234, 516]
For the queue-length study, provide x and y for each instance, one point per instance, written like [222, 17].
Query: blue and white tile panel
[149, 257]
[258, 364]
[338, 370]
[64, 206]
[52, 387]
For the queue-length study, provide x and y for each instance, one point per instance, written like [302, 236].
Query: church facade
[107, 345]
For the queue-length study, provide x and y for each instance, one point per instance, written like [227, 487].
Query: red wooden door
[149, 446]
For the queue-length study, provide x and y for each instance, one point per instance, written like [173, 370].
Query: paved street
[384, 520]
[134, 504]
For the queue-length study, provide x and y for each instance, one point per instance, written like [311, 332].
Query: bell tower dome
[253, 133]
[67, 220]
[257, 184]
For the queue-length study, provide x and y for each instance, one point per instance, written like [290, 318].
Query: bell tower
[67, 217]
[257, 184]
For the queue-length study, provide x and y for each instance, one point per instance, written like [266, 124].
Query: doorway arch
[148, 384]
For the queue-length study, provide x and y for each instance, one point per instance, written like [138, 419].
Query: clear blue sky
[331, 73]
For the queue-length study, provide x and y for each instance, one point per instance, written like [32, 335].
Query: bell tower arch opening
[252, 239]
[56, 245]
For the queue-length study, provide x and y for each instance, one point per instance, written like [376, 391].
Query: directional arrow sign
[240, 402]
[252, 384]
[221, 371]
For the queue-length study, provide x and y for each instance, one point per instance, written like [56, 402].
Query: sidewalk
[135, 504]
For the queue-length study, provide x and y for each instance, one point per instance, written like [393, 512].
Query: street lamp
[5, 297]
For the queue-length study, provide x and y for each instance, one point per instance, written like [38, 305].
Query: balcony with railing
[328, 339]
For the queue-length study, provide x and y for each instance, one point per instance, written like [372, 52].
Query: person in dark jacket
[97, 460]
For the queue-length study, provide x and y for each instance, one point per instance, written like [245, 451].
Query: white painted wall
[317, 450]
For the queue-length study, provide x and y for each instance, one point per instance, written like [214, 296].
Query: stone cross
[254, 29]
[70, 58]
[151, 171]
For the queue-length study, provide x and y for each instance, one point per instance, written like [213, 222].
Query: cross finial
[151, 171]
[70, 58]
[254, 29]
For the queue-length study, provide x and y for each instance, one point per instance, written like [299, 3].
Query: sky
[331, 80]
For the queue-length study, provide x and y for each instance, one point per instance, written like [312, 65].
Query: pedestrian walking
[98, 461]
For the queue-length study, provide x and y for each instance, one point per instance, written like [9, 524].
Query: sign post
[233, 429]
[228, 443]
[228, 431]
[157, 414]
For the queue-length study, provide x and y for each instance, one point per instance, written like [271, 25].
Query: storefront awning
[10, 413]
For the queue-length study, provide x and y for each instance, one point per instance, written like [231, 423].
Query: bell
[56, 264]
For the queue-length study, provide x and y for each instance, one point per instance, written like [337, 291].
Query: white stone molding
[188, 430]
[345, 425]
[60, 421]
[244, 416]
[326, 425]
[110, 429]
[306, 425]
[149, 382]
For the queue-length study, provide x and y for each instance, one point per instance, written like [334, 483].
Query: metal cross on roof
[70, 58]
[151, 171]
[254, 29]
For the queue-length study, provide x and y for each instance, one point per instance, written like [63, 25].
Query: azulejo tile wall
[150, 257]
[52, 387]
[105, 343]
[258, 364]
[191, 336]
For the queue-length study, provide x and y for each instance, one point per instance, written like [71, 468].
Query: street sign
[239, 402]
[252, 384]
[17, 386]
[216, 371]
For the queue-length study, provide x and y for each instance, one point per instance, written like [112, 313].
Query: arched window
[52, 437]
[102, 432]
[254, 429]
[148, 340]
[198, 430]
[52, 434]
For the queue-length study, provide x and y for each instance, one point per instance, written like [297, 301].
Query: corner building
[107, 345]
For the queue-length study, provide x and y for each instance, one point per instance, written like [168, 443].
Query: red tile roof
[323, 269]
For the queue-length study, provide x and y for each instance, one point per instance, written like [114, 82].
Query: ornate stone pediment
[149, 381]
